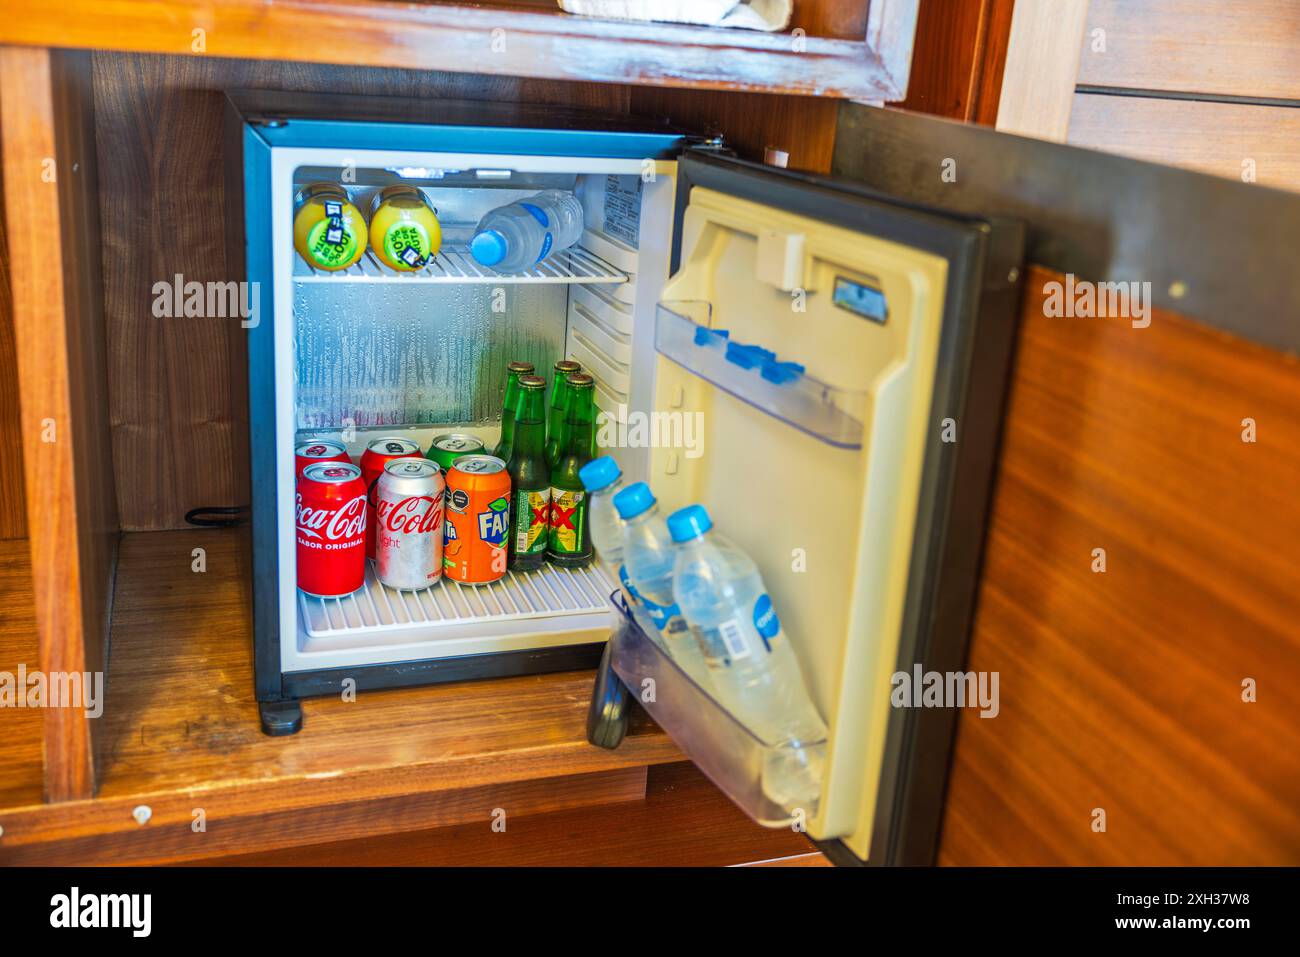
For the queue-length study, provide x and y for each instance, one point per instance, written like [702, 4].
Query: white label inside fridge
[623, 208]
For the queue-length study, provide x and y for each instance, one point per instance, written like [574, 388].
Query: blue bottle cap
[488, 247]
[633, 500]
[599, 473]
[689, 522]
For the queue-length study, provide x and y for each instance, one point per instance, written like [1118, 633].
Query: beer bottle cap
[633, 500]
[599, 473]
[689, 522]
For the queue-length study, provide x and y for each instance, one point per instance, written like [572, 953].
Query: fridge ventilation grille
[543, 593]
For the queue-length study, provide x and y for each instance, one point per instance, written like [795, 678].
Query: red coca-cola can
[379, 452]
[331, 530]
[321, 450]
[408, 506]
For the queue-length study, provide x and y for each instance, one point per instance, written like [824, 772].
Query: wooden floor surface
[684, 821]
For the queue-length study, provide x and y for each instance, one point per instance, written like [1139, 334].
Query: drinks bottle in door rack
[331, 532]
[404, 231]
[328, 230]
[447, 448]
[517, 237]
[408, 510]
[752, 667]
[558, 407]
[513, 372]
[647, 574]
[570, 534]
[603, 480]
[530, 479]
[378, 453]
[309, 453]
[477, 511]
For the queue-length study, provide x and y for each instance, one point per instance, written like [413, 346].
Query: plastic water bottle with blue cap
[603, 479]
[517, 237]
[752, 668]
[647, 574]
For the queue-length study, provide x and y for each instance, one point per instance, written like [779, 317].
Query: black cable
[238, 516]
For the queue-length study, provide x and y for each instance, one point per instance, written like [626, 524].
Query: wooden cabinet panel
[1218, 138]
[50, 187]
[1123, 690]
[1246, 48]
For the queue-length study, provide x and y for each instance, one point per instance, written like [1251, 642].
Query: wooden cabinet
[855, 50]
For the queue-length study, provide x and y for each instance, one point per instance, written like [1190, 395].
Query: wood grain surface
[1246, 48]
[13, 502]
[684, 821]
[1123, 690]
[50, 190]
[1226, 139]
[958, 58]
[21, 734]
[471, 38]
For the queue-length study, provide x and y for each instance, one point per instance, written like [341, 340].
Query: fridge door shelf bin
[454, 264]
[727, 752]
[546, 592]
[769, 382]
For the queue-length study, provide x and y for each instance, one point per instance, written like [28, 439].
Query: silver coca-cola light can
[408, 523]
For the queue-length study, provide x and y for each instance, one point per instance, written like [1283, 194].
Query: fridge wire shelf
[543, 593]
[454, 264]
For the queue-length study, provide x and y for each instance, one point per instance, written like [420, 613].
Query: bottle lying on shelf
[518, 236]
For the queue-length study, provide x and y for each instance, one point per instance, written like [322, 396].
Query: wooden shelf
[501, 40]
[180, 732]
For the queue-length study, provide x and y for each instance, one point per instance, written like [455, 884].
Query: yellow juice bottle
[328, 230]
[404, 231]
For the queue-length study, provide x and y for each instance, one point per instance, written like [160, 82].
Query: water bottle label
[733, 636]
[667, 618]
[537, 214]
[627, 583]
[765, 621]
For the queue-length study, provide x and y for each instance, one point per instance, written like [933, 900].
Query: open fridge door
[839, 359]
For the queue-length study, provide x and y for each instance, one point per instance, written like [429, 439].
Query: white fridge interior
[368, 351]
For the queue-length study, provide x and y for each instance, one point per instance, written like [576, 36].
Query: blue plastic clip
[780, 373]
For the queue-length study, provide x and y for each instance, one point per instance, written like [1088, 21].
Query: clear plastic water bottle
[752, 668]
[648, 566]
[517, 237]
[603, 479]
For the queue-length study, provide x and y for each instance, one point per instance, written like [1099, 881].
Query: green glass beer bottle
[513, 371]
[530, 485]
[570, 535]
[559, 408]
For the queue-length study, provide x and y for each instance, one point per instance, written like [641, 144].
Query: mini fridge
[857, 476]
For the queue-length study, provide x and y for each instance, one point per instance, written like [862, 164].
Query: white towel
[767, 15]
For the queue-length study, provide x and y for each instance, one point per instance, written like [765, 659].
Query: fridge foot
[281, 717]
[610, 702]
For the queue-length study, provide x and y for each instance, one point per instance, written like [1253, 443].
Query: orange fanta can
[477, 511]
